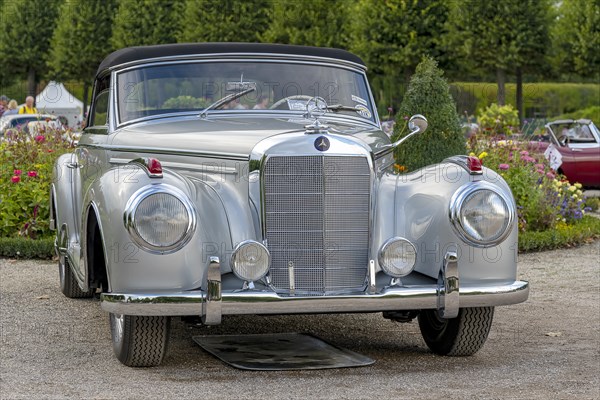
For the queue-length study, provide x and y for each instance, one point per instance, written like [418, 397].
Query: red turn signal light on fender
[152, 166]
[474, 164]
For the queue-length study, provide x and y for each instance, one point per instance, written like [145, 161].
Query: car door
[87, 164]
[586, 153]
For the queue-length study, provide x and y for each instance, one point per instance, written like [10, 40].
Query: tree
[81, 40]
[392, 36]
[26, 27]
[147, 22]
[576, 35]
[501, 36]
[429, 94]
[224, 20]
[321, 23]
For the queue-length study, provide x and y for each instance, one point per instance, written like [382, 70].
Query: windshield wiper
[340, 107]
[226, 99]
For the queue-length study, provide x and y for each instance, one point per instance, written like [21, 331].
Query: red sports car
[574, 150]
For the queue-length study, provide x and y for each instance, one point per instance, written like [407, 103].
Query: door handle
[577, 150]
[73, 165]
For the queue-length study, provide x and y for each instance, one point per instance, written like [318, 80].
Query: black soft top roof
[130, 54]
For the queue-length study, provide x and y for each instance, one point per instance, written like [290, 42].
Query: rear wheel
[140, 341]
[68, 282]
[460, 336]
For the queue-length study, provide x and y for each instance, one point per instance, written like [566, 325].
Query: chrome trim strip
[449, 290]
[171, 152]
[145, 192]
[211, 307]
[221, 169]
[457, 200]
[253, 302]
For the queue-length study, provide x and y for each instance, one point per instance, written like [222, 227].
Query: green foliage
[392, 37]
[593, 203]
[26, 248]
[576, 37]
[224, 20]
[27, 164]
[185, 102]
[312, 22]
[592, 113]
[547, 99]
[500, 35]
[428, 94]
[147, 22]
[26, 27]
[78, 44]
[563, 236]
[497, 119]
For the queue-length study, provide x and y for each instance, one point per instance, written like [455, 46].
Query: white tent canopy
[56, 99]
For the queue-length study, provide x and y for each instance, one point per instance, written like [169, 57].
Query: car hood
[228, 135]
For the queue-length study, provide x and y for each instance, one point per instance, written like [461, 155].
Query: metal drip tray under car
[279, 351]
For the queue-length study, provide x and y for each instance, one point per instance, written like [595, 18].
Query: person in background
[3, 101]
[28, 108]
[261, 103]
[13, 108]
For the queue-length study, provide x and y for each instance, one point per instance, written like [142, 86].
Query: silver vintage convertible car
[224, 179]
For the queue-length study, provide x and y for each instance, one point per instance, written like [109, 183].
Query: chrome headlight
[250, 261]
[397, 257]
[160, 218]
[481, 214]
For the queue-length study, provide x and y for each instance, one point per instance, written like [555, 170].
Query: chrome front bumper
[447, 297]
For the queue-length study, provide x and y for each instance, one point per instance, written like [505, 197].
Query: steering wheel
[294, 97]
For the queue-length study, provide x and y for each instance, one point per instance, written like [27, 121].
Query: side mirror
[417, 123]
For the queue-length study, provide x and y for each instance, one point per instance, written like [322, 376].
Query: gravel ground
[53, 347]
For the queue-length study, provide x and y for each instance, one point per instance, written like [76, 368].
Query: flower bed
[27, 163]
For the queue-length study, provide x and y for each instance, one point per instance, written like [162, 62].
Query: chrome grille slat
[317, 216]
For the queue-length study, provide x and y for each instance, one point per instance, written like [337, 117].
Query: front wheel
[140, 341]
[460, 336]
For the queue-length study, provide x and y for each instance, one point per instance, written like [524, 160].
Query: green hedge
[592, 113]
[26, 248]
[565, 236]
[540, 99]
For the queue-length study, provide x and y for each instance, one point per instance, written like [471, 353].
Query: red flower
[50, 151]
[16, 179]
[32, 174]
[40, 138]
[17, 172]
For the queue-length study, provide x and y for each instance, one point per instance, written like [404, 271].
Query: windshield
[174, 88]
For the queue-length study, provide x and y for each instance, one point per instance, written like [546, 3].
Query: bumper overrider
[447, 296]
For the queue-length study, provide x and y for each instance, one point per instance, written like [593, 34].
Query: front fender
[416, 206]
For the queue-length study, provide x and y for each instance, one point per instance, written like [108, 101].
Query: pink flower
[40, 138]
[528, 159]
[550, 175]
[16, 179]
[524, 153]
[539, 166]
[32, 174]
[17, 172]
[503, 167]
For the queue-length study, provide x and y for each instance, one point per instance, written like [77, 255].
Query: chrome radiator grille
[317, 219]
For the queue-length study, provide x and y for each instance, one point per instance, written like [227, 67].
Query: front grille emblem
[322, 143]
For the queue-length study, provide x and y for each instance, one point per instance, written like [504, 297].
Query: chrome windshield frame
[116, 123]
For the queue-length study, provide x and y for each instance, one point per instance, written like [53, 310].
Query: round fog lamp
[397, 257]
[250, 261]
